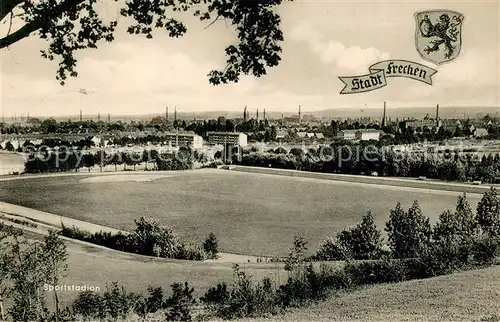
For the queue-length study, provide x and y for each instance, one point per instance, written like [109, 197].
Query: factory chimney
[300, 116]
[385, 115]
[437, 115]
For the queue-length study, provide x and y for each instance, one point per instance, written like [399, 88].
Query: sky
[323, 40]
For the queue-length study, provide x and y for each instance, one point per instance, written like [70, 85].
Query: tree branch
[6, 6]
[34, 25]
[216, 18]
[23, 32]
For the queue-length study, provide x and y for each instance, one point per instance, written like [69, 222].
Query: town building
[281, 134]
[361, 134]
[179, 139]
[369, 134]
[228, 138]
[347, 134]
[480, 132]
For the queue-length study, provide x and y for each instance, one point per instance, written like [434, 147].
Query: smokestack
[81, 115]
[245, 113]
[300, 116]
[257, 115]
[437, 115]
[384, 117]
[98, 117]
[166, 113]
[109, 118]
[175, 113]
[282, 119]
[264, 114]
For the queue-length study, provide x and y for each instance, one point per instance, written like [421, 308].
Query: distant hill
[338, 112]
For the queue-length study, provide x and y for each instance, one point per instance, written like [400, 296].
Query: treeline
[415, 249]
[64, 161]
[458, 239]
[148, 238]
[365, 159]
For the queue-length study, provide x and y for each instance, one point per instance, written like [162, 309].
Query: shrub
[190, 252]
[216, 297]
[211, 246]
[361, 242]
[118, 303]
[409, 231]
[154, 301]
[375, 272]
[89, 305]
[331, 250]
[150, 238]
[180, 303]
[305, 285]
[485, 249]
[248, 298]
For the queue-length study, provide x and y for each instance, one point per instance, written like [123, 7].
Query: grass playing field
[252, 214]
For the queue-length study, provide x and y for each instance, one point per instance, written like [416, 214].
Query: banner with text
[379, 73]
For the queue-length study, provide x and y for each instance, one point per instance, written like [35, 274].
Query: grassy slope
[463, 296]
[88, 265]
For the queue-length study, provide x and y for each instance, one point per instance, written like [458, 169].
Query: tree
[459, 226]
[211, 246]
[362, 242]
[409, 231]
[27, 274]
[488, 213]
[297, 254]
[365, 239]
[9, 146]
[55, 256]
[72, 25]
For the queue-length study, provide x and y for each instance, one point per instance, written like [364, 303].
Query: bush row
[410, 234]
[148, 238]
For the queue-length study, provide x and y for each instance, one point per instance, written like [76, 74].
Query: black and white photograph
[249, 160]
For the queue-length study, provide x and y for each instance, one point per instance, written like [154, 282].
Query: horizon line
[162, 113]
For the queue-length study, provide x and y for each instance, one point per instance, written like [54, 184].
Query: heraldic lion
[446, 30]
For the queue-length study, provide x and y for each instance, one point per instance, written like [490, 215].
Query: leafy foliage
[180, 303]
[409, 231]
[361, 242]
[460, 225]
[488, 213]
[72, 25]
[297, 254]
[211, 246]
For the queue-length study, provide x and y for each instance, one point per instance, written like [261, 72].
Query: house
[347, 134]
[178, 139]
[97, 141]
[231, 138]
[368, 134]
[421, 124]
[320, 136]
[302, 135]
[281, 134]
[480, 132]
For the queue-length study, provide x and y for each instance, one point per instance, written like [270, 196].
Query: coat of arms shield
[438, 35]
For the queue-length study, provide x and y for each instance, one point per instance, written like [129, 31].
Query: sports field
[254, 214]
